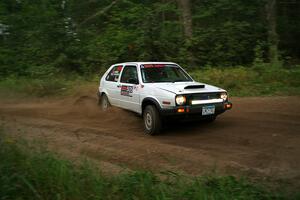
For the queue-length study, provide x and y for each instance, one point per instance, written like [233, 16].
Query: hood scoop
[194, 86]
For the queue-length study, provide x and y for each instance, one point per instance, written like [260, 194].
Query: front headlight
[180, 100]
[224, 96]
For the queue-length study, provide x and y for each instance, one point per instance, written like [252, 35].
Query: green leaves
[30, 171]
[74, 37]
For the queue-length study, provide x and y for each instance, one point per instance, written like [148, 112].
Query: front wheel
[152, 121]
[104, 103]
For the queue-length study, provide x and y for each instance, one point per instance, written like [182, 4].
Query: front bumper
[195, 110]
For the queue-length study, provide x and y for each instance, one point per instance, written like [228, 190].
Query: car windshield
[155, 73]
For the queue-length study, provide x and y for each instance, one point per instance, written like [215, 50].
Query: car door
[112, 85]
[129, 89]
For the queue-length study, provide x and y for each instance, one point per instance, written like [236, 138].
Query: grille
[204, 96]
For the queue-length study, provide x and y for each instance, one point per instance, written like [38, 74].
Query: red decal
[154, 65]
[124, 87]
[126, 90]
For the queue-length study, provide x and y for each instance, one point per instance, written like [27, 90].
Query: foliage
[260, 80]
[33, 173]
[61, 36]
[227, 32]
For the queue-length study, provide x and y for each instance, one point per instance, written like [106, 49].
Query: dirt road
[260, 136]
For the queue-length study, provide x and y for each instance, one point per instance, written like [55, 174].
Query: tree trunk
[186, 13]
[272, 32]
[100, 12]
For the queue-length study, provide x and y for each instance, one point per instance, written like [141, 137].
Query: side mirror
[133, 81]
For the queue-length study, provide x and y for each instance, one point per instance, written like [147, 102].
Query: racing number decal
[126, 90]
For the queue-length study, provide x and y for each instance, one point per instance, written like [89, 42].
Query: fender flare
[151, 100]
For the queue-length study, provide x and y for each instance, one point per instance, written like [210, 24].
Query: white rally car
[159, 91]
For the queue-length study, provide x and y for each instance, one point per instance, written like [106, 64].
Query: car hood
[187, 87]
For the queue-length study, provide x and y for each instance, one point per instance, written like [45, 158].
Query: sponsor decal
[126, 90]
[153, 65]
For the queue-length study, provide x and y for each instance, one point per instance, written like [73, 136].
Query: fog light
[228, 106]
[180, 110]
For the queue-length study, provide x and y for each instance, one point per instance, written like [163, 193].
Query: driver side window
[129, 75]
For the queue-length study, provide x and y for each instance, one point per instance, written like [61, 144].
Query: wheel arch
[150, 101]
[100, 94]
[102, 91]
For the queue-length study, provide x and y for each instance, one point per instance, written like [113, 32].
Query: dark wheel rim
[148, 121]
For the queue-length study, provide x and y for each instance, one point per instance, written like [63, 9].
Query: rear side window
[114, 74]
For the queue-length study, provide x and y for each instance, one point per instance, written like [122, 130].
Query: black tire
[152, 120]
[104, 103]
[99, 99]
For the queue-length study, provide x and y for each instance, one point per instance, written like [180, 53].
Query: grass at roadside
[39, 87]
[239, 81]
[28, 172]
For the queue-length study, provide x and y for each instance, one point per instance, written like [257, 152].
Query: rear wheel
[104, 103]
[152, 121]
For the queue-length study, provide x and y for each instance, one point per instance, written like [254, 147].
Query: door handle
[118, 86]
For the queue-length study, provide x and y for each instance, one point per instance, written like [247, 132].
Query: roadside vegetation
[255, 81]
[50, 47]
[31, 172]
[239, 81]
[65, 36]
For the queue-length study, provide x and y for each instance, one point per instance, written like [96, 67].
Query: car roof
[141, 63]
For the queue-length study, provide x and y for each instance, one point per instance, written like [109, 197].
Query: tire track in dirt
[259, 136]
